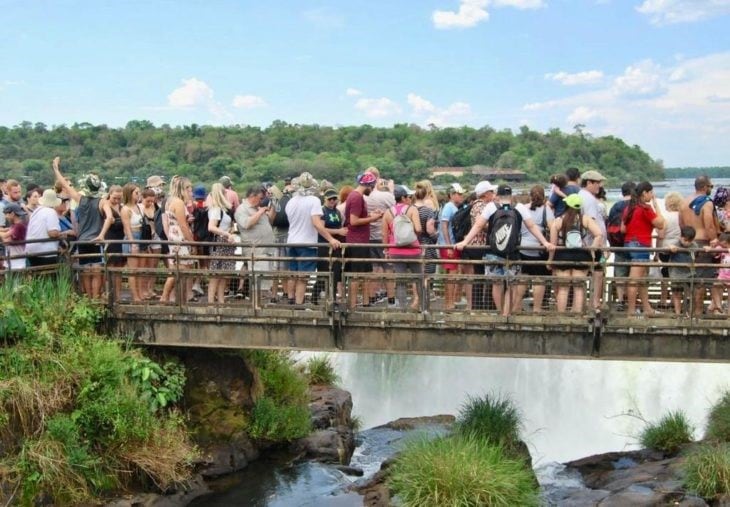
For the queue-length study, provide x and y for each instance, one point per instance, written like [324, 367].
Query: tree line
[404, 152]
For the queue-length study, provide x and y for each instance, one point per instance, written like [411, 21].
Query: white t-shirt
[378, 200]
[491, 208]
[214, 214]
[528, 239]
[42, 220]
[300, 210]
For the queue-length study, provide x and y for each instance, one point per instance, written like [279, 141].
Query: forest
[249, 154]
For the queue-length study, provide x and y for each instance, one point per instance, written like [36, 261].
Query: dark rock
[410, 423]
[357, 472]
[585, 498]
[333, 445]
[228, 457]
[187, 492]
[330, 406]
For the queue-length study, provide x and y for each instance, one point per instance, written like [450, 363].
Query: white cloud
[578, 78]
[679, 111]
[469, 14]
[196, 94]
[377, 108]
[419, 104]
[473, 12]
[582, 114]
[454, 114]
[248, 102]
[665, 12]
[353, 92]
[644, 78]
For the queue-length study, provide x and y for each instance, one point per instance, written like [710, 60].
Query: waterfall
[570, 408]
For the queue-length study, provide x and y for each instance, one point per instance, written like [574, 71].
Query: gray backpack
[403, 232]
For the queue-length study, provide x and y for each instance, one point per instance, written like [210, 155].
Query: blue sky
[654, 72]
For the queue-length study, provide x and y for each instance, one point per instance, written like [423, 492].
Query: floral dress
[175, 235]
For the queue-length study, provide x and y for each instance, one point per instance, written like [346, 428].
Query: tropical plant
[463, 471]
[707, 471]
[491, 417]
[718, 421]
[669, 434]
[320, 371]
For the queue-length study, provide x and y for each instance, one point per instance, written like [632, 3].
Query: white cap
[483, 187]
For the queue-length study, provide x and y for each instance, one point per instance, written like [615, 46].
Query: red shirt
[355, 205]
[639, 228]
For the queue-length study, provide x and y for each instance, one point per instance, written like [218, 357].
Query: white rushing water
[571, 408]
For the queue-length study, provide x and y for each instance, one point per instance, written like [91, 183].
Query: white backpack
[403, 232]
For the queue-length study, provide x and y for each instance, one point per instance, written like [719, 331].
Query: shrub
[463, 470]
[707, 471]
[281, 379]
[669, 434]
[718, 421]
[319, 371]
[278, 422]
[492, 417]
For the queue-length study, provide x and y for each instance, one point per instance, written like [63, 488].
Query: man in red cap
[357, 221]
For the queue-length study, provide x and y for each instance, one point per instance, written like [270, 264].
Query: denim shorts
[637, 256]
[304, 258]
[499, 267]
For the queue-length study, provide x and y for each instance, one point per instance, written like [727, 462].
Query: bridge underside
[439, 333]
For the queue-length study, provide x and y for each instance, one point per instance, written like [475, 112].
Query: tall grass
[718, 421]
[707, 471]
[320, 371]
[74, 422]
[463, 471]
[491, 417]
[669, 434]
[282, 412]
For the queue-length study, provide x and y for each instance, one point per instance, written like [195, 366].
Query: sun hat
[456, 188]
[15, 208]
[573, 201]
[367, 179]
[49, 199]
[155, 181]
[504, 190]
[92, 185]
[225, 181]
[483, 187]
[592, 175]
[199, 193]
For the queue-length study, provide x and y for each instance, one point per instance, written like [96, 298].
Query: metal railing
[258, 281]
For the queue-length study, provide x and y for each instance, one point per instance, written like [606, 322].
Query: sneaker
[197, 290]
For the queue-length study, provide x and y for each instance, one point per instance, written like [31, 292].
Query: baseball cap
[456, 188]
[483, 187]
[15, 208]
[401, 191]
[504, 190]
[367, 179]
[225, 181]
[573, 201]
[330, 193]
[199, 192]
[592, 175]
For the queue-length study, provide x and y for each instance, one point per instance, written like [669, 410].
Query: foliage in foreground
[707, 471]
[491, 417]
[79, 415]
[718, 421]
[669, 434]
[463, 470]
[320, 371]
[282, 412]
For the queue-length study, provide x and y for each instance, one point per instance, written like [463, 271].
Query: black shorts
[573, 258]
[363, 264]
[88, 249]
[535, 269]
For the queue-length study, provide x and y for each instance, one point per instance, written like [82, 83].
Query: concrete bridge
[255, 322]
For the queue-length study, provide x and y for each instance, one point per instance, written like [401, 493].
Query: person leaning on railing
[15, 218]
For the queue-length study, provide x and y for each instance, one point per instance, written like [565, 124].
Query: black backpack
[200, 225]
[461, 222]
[280, 219]
[505, 232]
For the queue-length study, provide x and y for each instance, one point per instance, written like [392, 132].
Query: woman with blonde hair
[177, 230]
[219, 224]
[666, 237]
[132, 225]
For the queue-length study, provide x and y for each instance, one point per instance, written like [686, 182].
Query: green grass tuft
[669, 434]
[277, 422]
[494, 418]
[718, 421]
[707, 471]
[320, 371]
[463, 470]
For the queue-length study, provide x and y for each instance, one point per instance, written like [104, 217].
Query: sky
[654, 72]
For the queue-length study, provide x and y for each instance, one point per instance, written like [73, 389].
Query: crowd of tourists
[548, 243]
